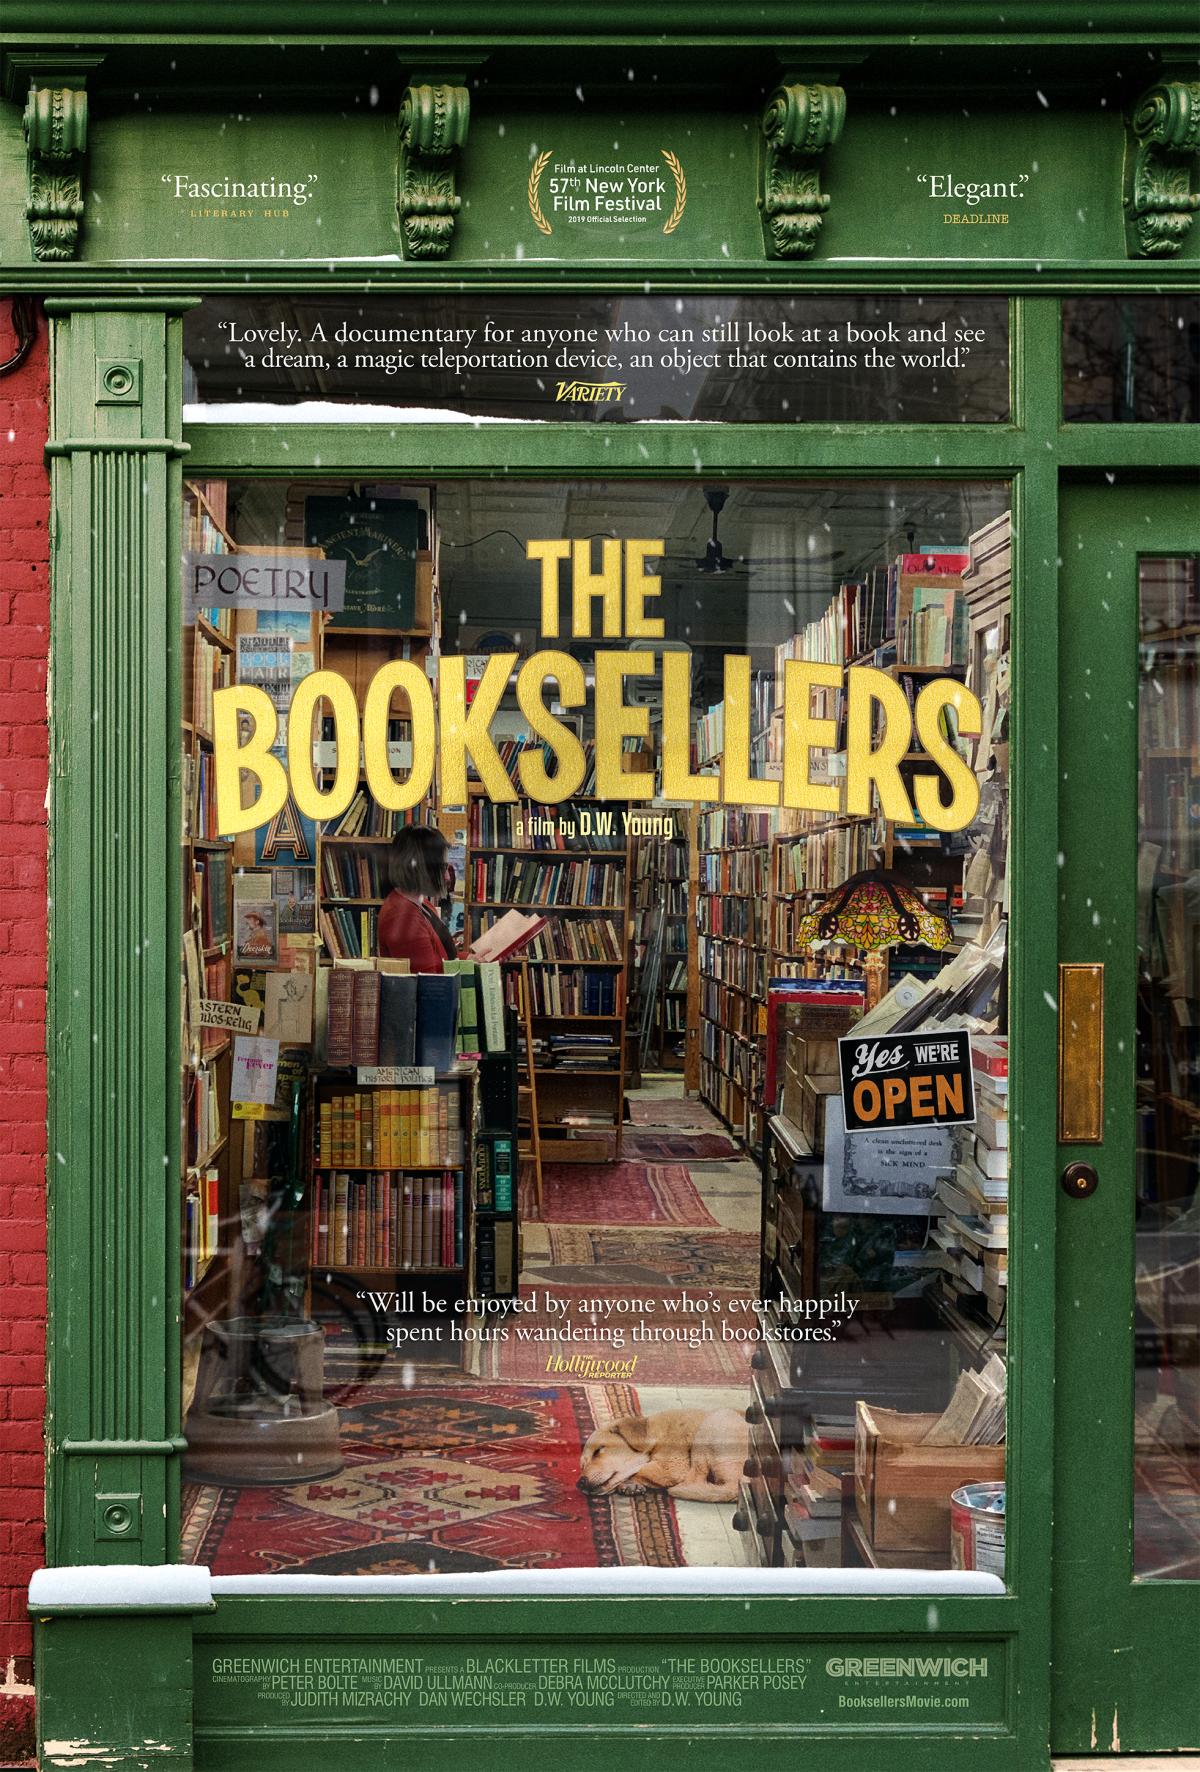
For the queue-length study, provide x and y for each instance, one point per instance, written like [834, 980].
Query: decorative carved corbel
[56, 141]
[433, 127]
[1160, 147]
[799, 122]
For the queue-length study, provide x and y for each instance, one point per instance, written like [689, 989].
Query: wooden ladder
[527, 1091]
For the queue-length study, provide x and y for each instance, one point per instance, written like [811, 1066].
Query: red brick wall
[24, 651]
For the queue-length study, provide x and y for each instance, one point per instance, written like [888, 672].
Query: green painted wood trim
[753, 451]
[188, 281]
[114, 1015]
[782, 21]
[1118, 1679]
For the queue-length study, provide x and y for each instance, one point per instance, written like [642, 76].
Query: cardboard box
[816, 1092]
[902, 1489]
[818, 1057]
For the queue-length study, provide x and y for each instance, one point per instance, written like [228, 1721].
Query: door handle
[1080, 1054]
[1079, 1181]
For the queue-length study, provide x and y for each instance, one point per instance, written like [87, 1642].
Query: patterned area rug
[616, 1193]
[672, 1112]
[650, 1258]
[652, 1145]
[453, 1478]
[521, 1359]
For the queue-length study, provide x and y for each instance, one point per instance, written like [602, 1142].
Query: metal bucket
[977, 1527]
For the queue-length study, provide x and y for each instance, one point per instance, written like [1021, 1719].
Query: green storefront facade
[1040, 157]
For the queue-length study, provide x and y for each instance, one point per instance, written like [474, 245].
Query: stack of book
[812, 1499]
[394, 1128]
[582, 1052]
[201, 1227]
[386, 1221]
[973, 1228]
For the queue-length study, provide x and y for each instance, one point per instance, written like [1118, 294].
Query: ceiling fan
[715, 562]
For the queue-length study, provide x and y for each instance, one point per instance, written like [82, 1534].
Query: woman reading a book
[409, 926]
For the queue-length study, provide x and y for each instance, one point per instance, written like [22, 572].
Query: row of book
[735, 870]
[662, 859]
[199, 796]
[381, 1014]
[576, 1051]
[523, 826]
[560, 992]
[733, 963]
[743, 919]
[936, 631]
[211, 670]
[201, 1223]
[353, 873]
[365, 817]
[565, 939]
[727, 1008]
[392, 1128]
[510, 750]
[866, 615]
[504, 880]
[210, 896]
[348, 934]
[387, 1221]
[972, 1230]
[735, 827]
[204, 1127]
[205, 511]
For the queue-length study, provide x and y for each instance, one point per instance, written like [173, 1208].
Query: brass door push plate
[1080, 1054]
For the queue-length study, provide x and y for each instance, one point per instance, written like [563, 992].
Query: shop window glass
[756, 359]
[596, 1250]
[1131, 359]
[1167, 1236]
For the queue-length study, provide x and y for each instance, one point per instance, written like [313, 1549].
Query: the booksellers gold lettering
[612, 600]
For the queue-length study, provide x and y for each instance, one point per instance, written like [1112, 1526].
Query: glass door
[1127, 1476]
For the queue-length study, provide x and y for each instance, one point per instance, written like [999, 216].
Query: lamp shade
[874, 909]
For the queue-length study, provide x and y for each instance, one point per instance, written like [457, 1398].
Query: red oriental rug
[649, 1257]
[673, 1112]
[651, 1144]
[615, 1193]
[453, 1478]
[538, 1335]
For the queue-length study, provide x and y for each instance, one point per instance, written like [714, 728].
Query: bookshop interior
[558, 1253]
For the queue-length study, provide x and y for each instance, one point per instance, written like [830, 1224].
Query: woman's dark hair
[417, 860]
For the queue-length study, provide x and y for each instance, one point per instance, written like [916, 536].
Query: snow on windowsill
[349, 412]
[327, 412]
[570, 1584]
[190, 1587]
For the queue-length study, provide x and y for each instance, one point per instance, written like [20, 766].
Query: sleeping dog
[692, 1454]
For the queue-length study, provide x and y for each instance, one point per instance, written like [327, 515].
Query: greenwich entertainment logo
[907, 1667]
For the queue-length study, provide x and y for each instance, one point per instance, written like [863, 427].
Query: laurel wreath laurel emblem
[533, 191]
[676, 215]
[535, 179]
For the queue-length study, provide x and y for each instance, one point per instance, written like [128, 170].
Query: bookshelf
[211, 1139]
[391, 1177]
[570, 864]
[732, 962]
[352, 850]
[661, 883]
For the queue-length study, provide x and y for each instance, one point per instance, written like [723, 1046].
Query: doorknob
[1080, 1055]
[1079, 1181]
